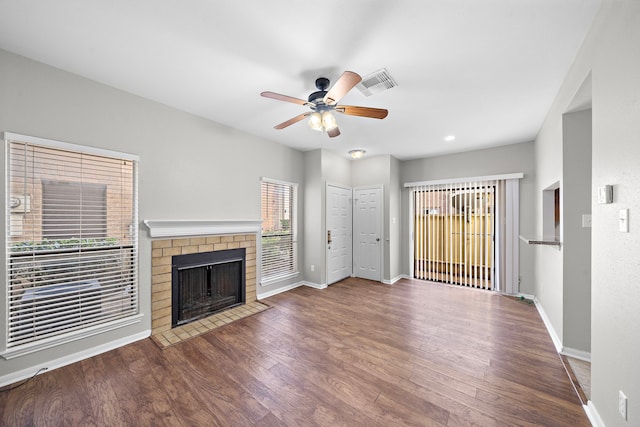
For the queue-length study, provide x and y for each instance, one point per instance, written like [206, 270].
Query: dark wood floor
[357, 353]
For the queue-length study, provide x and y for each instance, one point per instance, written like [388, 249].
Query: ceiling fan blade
[375, 113]
[285, 98]
[333, 132]
[344, 84]
[291, 121]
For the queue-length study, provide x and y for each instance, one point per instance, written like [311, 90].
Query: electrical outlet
[313, 267]
[622, 404]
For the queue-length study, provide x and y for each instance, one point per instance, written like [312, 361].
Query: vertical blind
[453, 233]
[71, 241]
[278, 229]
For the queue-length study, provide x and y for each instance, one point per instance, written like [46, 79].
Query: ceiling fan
[324, 101]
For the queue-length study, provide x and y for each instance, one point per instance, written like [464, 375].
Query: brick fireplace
[177, 238]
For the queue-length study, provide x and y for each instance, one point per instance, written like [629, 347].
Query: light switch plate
[624, 220]
[622, 404]
[586, 220]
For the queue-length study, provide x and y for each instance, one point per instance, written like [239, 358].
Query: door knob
[377, 239]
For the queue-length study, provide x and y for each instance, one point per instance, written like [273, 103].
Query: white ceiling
[484, 70]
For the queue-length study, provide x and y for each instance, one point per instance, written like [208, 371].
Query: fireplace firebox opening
[205, 283]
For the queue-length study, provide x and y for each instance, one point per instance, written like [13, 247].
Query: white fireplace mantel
[200, 227]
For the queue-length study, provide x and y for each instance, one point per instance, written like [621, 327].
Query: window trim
[53, 341]
[47, 343]
[269, 280]
[10, 136]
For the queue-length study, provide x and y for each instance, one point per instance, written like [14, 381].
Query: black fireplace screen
[205, 283]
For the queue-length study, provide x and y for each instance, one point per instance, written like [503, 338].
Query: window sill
[541, 241]
[18, 351]
[276, 279]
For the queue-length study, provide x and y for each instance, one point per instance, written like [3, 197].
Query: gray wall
[615, 340]
[576, 239]
[322, 167]
[395, 220]
[313, 206]
[188, 168]
[493, 161]
[610, 54]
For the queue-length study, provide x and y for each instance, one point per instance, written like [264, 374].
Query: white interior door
[367, 226]
[339, 233]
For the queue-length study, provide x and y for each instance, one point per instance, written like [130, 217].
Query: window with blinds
[279, 246]
[454, 233]
[72, 245]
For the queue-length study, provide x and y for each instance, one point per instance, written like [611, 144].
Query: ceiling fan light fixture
[315, 121]
[357, 154]
[328, 121]
[324, 101]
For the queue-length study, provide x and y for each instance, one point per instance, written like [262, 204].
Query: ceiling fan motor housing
[317, 97]
[322, 84]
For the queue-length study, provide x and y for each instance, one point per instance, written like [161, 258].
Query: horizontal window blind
[70, 209]
[453, 233]
[279, 245]
[71, 241]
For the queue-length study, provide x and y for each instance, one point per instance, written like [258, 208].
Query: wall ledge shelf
[200, 227]
[541, 241]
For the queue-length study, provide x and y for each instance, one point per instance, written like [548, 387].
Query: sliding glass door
[453, 226]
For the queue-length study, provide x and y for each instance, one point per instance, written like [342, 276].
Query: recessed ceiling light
[357, 154]
[449, 138]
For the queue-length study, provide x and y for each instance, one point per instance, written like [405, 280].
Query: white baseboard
[576, 354]
[593, 415]
[589, 408]
[273, 292]
[525, 296]
[315, 285]
[395, 279]
[289, 287]
[547, 323]
[72, 358]
[567, 351]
